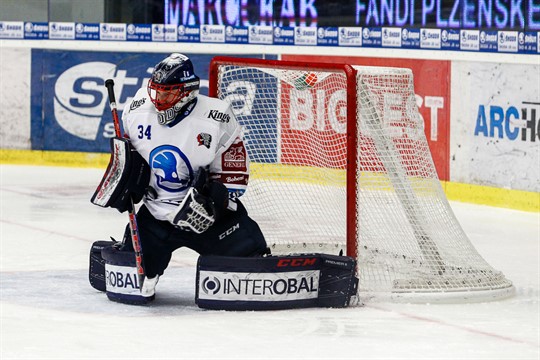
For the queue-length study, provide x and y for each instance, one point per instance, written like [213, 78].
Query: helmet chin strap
[167, 116]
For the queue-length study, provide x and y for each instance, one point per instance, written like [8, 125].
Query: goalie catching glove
[195, 213]
[204, 204]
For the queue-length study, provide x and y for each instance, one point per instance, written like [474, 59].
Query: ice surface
[49, 311]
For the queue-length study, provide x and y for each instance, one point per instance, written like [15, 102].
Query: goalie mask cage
[340, 162]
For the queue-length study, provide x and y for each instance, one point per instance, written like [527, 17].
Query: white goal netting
[304, 193]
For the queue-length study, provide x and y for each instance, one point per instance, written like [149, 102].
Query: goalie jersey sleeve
[208, 135]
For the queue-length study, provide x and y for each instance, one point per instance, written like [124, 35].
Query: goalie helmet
[173, 83]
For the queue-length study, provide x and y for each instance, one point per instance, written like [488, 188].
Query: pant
[235, 234]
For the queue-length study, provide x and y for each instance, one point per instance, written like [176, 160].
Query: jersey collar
[184, 112]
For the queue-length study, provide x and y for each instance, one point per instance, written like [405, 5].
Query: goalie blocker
[126, 178]
[275, 282]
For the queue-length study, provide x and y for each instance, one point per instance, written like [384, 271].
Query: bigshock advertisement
[314, 121]
[432, 96]
[69, 103]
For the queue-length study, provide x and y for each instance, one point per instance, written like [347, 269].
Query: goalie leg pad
[121, 280]
[275, 282]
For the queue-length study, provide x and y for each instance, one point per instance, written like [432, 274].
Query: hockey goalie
[183, 156]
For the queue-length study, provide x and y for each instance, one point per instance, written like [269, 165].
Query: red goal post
[340, 161]
[348, 73]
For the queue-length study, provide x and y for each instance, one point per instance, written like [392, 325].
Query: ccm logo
[296, 262]
[229, 231]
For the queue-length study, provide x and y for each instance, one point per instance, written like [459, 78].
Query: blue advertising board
[246, 99]
[451, 38]
[70, 110]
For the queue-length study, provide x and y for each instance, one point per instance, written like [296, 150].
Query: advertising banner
[496, 127]
[252, 100]
[514, 39]
[314, 121]
[432, 92]
[70, 110]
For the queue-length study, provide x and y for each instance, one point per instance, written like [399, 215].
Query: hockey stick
[133, 228]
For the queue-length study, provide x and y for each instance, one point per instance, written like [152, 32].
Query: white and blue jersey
[207, 135]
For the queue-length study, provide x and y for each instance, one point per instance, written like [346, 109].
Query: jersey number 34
[145, 132]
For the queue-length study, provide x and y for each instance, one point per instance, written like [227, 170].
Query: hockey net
[340, 163]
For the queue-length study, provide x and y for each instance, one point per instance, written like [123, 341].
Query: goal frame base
[441, 297]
